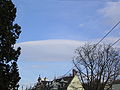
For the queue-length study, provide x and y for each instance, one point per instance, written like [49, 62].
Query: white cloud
[111, 11]
[49, 50]
[54, 50]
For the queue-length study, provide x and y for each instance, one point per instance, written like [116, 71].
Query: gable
[75, 84]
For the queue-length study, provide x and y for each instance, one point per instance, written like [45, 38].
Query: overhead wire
[108, 33]
[100, 42]
[115, 42]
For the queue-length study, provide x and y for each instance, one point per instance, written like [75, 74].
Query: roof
[116, 82]
[64, 81]
[116, 86]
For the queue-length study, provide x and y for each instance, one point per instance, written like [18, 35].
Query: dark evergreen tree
[9, 33]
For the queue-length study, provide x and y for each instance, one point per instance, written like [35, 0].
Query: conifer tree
[9, 33]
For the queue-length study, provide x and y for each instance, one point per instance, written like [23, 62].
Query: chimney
[45, 79]
[39, 79]
[74, 72]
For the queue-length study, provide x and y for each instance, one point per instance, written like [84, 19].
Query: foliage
[9, 33]
[98, 66]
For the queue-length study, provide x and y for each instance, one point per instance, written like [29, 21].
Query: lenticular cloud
[49, 50]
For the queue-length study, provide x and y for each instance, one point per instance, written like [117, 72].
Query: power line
[69, 71]
[108, 32]
[115, 42]
[101, 41]
[77, 63]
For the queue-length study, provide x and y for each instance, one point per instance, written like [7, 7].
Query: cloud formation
[111, 10]
[54, 50]
[49, 50]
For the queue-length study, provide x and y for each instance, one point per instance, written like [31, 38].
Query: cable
[69, 71]
[101, 41]
[115, 42]
[77, 63]
[108, 32]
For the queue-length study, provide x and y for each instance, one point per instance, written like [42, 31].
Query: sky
[53, 29]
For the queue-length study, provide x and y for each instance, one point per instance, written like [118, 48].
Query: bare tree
[98, 66]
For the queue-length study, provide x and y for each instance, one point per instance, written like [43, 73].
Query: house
[75, 84]
[116, 85]
[70, 82]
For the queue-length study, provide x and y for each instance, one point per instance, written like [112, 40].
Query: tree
[98, 66]
[9, 33]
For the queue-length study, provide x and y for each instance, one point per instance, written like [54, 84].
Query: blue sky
[52, 29]
[51, 19]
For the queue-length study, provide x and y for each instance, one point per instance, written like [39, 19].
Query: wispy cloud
[81, 25]
[111, 11]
